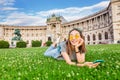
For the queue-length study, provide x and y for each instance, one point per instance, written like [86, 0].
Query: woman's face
[74, 37]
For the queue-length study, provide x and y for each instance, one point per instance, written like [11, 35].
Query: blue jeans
[53, 51]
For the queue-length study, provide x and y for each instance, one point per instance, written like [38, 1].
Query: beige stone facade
[101, 27]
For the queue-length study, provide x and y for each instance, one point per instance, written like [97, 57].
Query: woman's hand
[91, 64]
[80, 43]
[67, 58]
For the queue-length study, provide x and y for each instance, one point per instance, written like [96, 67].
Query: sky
[36, 12]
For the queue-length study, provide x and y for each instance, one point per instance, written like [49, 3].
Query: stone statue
[16, 38]
[17, 35]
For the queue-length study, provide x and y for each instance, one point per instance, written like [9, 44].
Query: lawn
[31, 64]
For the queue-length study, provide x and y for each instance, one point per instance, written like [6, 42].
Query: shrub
[21, 44]
[36, 43]
[48, 43]
[4, 44]
[118, 41]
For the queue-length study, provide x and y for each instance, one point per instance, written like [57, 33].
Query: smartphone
[96, 61]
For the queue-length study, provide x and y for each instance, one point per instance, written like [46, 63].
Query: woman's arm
[67, 58]
[89, 64]
[80, 57]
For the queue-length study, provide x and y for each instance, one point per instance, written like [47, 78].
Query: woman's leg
[53, 46]
[52, 51]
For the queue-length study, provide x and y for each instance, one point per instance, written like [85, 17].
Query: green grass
[31, 64]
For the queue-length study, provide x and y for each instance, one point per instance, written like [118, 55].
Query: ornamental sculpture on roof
[53, 18]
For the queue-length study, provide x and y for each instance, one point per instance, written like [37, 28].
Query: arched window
[106, 35]
[99, 36]
[49, 38]
[36, 35]
[88, 38]
[32, 34]
[94, 38]
[27, 42]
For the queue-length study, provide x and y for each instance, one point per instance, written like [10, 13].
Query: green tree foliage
[118, 41]
[21, 44]
[4, 44]
[36, 43]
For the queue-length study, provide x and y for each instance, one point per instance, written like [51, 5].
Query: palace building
[102, 27]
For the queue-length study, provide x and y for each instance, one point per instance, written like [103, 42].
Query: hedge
[4, 44]
[36, 43]
[48, 43]
[21, 44]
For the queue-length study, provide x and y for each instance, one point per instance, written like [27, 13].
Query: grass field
[31, 64]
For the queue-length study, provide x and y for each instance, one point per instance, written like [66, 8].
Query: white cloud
[101, 4]
[18, 18]
[39, 18]
[8, 8]
[7, 2]
[5, 5]
[72, 13]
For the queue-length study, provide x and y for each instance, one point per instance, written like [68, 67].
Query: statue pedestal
[13, 44]
[16, 38]
[28, 45]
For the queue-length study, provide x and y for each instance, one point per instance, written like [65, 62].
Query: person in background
[71, 49]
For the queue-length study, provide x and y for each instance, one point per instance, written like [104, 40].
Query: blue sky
[35, 12]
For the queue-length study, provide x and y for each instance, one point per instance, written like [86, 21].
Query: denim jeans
[53, 51]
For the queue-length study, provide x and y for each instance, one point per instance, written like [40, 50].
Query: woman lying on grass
[72, 49]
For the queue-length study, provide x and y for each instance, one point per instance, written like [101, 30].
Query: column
[95, 22]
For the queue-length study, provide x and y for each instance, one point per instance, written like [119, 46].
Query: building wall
[115, 9]
[101, 27]
[92, 26]
[1, 33]
[28, 33]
